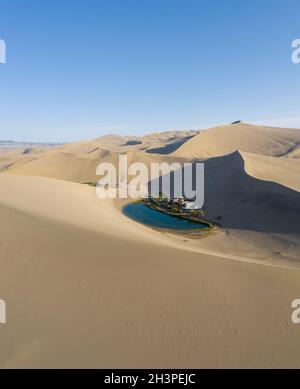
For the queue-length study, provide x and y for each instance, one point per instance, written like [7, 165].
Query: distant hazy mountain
[10, 144]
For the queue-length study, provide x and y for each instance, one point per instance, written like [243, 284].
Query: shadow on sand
[236, 200]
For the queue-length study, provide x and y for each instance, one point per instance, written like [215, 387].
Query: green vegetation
[168, 207]
[94, 184]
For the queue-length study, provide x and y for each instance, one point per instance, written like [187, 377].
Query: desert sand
[87, 287]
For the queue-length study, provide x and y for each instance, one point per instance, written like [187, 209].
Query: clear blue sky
[77, 69]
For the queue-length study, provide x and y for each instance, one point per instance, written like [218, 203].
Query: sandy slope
[256, 200]
[77, 166]
[284, 171]
[246, 193]
[224, 140]
[77, 162]
[246, 202]
[86, 287]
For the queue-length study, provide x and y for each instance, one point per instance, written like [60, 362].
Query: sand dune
[93, 289]
[78, 161]
[284, 171]
[113, 140]
[76, 166]
[87, 287]
[224, 140]
[245, 202]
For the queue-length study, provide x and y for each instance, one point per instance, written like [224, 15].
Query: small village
[178, 207]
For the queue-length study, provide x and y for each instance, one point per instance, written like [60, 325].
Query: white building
[191, 205]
